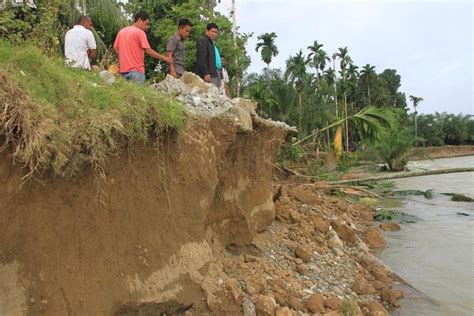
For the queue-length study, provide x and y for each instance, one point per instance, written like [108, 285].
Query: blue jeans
[134, 76]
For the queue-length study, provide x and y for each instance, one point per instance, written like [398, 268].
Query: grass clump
[58, 118]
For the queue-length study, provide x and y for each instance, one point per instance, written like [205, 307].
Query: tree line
[317, 88]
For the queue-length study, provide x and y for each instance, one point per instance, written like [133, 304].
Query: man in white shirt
[79, 44]
[225, 78]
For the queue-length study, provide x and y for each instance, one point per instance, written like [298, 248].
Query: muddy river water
[435, 253]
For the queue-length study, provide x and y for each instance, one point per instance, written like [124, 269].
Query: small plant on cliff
[350, 308]
[315, 166]
[289, 152]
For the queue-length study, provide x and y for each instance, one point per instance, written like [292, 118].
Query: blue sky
[429, 43]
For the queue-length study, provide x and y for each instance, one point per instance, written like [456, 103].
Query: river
[435, 254]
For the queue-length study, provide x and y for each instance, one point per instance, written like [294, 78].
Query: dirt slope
[82, 246]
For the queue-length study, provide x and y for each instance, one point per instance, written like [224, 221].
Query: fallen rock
[303, 269]
[344, 232]
[232, 285]
[392, 296]
[315, 303]
[374, 308]
[296, 304]
[243, 120]
[333, 303]
[379, 286]
[247, 105]
[362, 287]
[390, 227]
[248, 307]
[303, 253]
[284, 311]
[373, 238]
[265, 306]
[320, 225]
[334, 240]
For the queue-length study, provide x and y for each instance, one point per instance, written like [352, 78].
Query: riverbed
[435, 254]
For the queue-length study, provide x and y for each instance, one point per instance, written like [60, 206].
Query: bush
[347, 161]
[315, 166]
[289, 152]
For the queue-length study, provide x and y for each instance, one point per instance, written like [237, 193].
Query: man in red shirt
[130, 45]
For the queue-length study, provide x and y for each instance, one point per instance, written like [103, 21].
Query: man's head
[223, 60]
[142, 20]
[85, 21]
[212, 30]
[184, 27]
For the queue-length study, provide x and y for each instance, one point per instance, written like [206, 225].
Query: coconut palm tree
[313, 59]
[267, 47]
[415, 101]
[371, 124]
[295, 73]
[345, 61]
[367, 75]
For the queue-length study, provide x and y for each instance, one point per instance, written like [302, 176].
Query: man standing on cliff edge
[130, 44]
[208, 60]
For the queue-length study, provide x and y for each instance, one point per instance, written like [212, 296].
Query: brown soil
[185, 227]
[145, 235]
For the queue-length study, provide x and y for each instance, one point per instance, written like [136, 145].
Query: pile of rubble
[205, 99]
[314, 259]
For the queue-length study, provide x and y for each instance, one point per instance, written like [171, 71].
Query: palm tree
[371, 124]
[314, 51]
[295, 73]
[334, 56]
[367, 74]
[415, 101]
[267, 47]
[345, 60]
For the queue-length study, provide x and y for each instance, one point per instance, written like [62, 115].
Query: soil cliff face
[143, 238]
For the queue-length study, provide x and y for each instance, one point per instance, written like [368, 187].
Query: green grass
[61, 118]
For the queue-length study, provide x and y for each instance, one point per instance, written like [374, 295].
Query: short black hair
[184, 22]
[212, 25]
[142, 15]
[83, 18]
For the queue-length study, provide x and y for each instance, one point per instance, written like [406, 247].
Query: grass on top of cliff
[58, 118]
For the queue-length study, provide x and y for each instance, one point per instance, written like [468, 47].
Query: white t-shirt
[225, 75]
[76, 43]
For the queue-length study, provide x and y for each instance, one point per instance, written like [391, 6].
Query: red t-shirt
[130, 43]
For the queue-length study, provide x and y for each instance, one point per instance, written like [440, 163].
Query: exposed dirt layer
[144, 236]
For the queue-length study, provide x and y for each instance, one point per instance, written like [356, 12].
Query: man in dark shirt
[176, 48]
[208, 60]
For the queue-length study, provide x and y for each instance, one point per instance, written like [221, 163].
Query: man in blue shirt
[208, 60]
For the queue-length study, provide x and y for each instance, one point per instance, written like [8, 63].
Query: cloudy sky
[429, 43]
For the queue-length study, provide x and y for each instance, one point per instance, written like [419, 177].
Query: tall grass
[53, 117]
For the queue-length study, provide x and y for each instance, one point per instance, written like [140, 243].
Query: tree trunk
[405, 175]
[301, 110]
[416, 131]
[368, 93]
[347, 122]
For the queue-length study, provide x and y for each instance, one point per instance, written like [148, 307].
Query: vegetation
[60, 118]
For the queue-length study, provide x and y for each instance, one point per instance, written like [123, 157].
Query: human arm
[92, 51]
[152, 53]
[172, 70]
